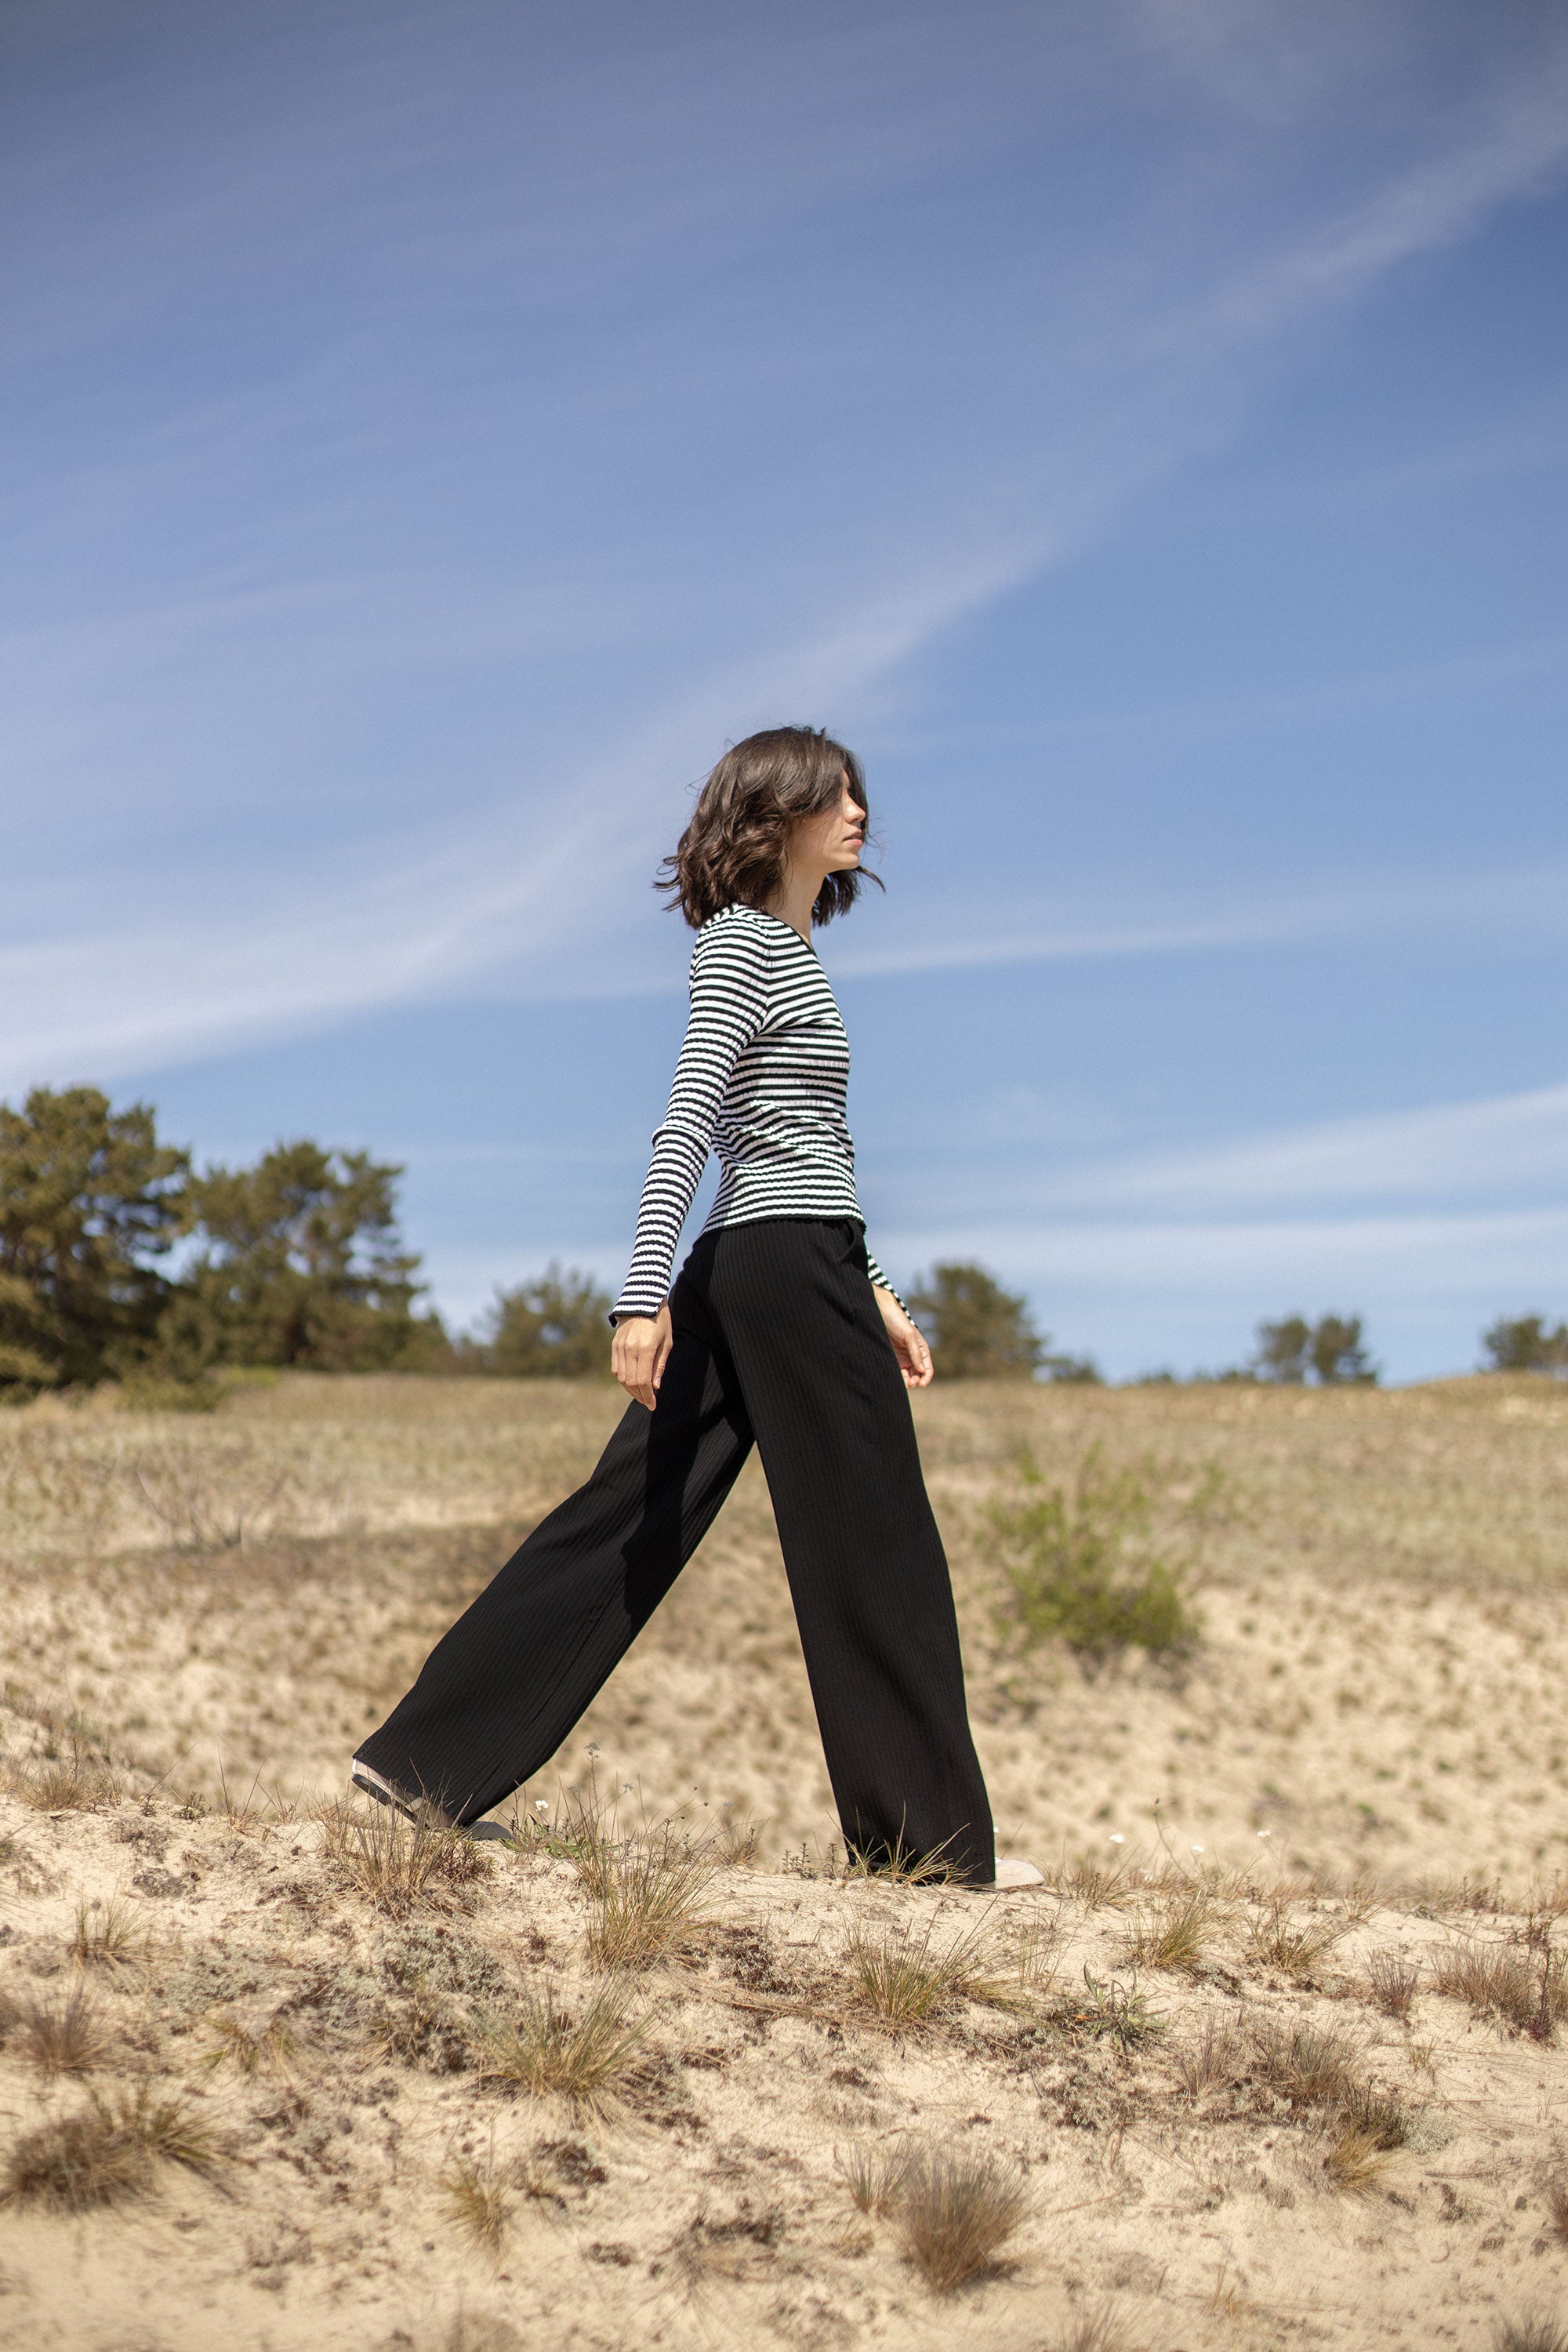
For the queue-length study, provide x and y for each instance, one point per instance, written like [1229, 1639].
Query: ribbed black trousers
[777, 1337]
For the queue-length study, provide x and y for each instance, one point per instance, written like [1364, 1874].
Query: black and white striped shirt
[763, 1080]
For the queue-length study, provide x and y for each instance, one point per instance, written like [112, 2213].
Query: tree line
[120, 1260]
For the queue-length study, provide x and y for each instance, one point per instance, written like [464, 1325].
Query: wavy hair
[733, 849]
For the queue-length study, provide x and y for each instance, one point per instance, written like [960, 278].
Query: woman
[780, 1327]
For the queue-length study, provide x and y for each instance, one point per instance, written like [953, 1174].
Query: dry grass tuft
[108, 2148]
[581, 2059]
[1526, 1992]
[1311, 2065]
[399, 1865]
[1101, 1886]
[479, 2201]
[1355, 2162]
[250, 2049]
[1535, 2331]
[108, 1935]
[1557, 2206]
[899, 1865]
[1176, 1938]
[1278, 1941]
[84, 1781]
[954, 2211]
[1393, 1983]
[651, 1900]
[1093, 2331]
[875, 2173]
[905, 1981]
[737, 1840]
[1215, 2058]
[61, 2034]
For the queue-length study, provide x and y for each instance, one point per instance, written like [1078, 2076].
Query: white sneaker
[1011, 1874]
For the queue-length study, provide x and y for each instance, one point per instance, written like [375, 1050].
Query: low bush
[1081, 1568]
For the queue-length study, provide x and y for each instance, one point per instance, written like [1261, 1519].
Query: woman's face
[830, 842]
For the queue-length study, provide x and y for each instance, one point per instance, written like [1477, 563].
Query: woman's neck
[794, 899]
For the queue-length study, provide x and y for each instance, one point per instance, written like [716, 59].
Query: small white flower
[540, 1805]
[1197, 1849]
[1117, 1838]
[1265, 1832]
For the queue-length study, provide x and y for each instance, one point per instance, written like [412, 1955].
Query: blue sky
[432, 433]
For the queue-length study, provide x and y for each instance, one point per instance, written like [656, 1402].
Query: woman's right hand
[641, 1352]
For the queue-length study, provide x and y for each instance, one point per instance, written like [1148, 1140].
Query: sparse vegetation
[581, 2058]
[1525, 1990]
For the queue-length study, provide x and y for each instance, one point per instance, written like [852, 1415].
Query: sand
[1365, 1748]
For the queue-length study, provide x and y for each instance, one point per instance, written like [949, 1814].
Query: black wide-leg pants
[777, 1337]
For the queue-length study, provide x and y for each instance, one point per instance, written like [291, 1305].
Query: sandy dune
[1360, 1771]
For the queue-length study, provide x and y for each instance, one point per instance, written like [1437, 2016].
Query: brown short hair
[733, 848]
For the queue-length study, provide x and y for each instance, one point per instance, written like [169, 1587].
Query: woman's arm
[729, 1004]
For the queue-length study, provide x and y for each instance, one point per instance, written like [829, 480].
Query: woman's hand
[907, 1339]
[641, 1352]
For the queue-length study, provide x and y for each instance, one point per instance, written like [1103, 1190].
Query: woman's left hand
[909, 1340]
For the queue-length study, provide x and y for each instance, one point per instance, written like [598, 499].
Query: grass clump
[1108, 2012]
[650, 1901]
[81, 1781]
[1297, 1949]
[545, 2049]
[63, 2034]
[1215, 2058]
[1081, 1566]
[1177, 1937]
[905, 1979]
[954, 2210]
[1533, 2331]
[108, 2148]
[479, 2202]
[249, 2049]
[1526, 1992]
[1393, 1983]
[1557, 2207]
[398, 1866]
[1100, 1885]
[108, 1935]
[1310, 2065]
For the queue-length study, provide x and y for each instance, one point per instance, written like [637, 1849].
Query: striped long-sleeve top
[763, 1080]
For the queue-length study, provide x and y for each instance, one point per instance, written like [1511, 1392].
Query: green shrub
[1082, 1566]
